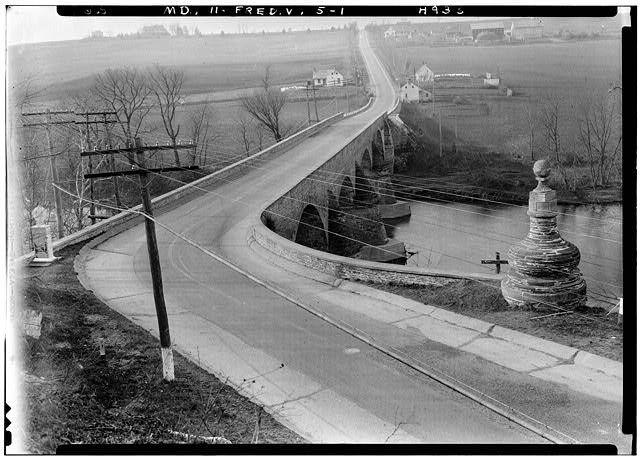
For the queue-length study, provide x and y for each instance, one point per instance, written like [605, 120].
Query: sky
[32, 24]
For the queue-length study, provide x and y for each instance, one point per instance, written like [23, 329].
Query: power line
[262, 283]
[346, 237]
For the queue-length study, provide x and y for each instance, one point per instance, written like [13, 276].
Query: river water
[455, 236]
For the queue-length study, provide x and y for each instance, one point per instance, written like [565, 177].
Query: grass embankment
[468, 169]
[589, 329]
[74, 395]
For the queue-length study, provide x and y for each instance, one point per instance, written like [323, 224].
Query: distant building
[491, 81]
[487, 29]
[389, 33]
[328, 77]
[97, 34]
[409, 92]
[153, 31]
[424, 74]
[526, 29]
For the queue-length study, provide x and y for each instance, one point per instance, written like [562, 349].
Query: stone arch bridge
[339, 206]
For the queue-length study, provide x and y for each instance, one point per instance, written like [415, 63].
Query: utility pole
[315, 103]
[433, 95]
[152, 244]
[308, 107]
[107, 131]
[52, 158]
[440, 129]
[54, 178]
[92, 206]
[156, 271]
[346, 86]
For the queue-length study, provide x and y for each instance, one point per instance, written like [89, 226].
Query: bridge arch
[363, 194]
[311, 230]
[365, 160]
[345, 198]
[377, 151]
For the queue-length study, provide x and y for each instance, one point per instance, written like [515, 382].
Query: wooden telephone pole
[315, 102]
[308, 107]
[52, 159]
[87, 122]
[152, 244]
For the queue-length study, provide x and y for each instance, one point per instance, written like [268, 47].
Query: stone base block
[43, 261]
[391, 251]
[398, 209]
[545, 294]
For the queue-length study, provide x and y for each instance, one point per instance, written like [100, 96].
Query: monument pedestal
[544, 270]
[42, 246]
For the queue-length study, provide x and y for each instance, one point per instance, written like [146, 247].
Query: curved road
[317, 379]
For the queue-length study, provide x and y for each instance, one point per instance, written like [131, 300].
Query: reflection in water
[457, 236]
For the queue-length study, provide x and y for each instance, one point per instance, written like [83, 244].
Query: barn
[487, 28]
[424, 74]
[526, 29]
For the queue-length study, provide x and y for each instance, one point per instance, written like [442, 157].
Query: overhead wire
[332, 232]
[260, 282]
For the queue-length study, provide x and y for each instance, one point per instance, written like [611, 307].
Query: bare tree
[549, 118]
[600, 136]
[201, 130]
[126, 91]
[531, 112]
[242, 133]
[265, 106]
[166, 85]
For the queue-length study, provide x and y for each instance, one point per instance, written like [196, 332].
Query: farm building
[152, 31]
[424, 74]
[409, 92]
[487, 29]
[327, 77]
[457, 31]
[526, 29]
[491, 81]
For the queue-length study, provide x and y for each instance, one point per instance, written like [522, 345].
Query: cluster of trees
[146, 103]
[580, 137]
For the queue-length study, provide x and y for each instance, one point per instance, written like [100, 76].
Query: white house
[424, 74]
[328, 77]
[389, 33]
[491, 81]
[409, 92]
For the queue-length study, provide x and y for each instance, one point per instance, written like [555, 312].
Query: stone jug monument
[544, 270]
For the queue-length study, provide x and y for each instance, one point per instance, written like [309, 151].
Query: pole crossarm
[56, 112]
[112, 151]
[95, 113]
[48, 123]
[141, 171]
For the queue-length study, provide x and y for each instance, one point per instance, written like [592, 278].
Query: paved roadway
[314, 377]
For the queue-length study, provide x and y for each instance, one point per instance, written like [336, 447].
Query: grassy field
[574, 71]
[210, 63]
